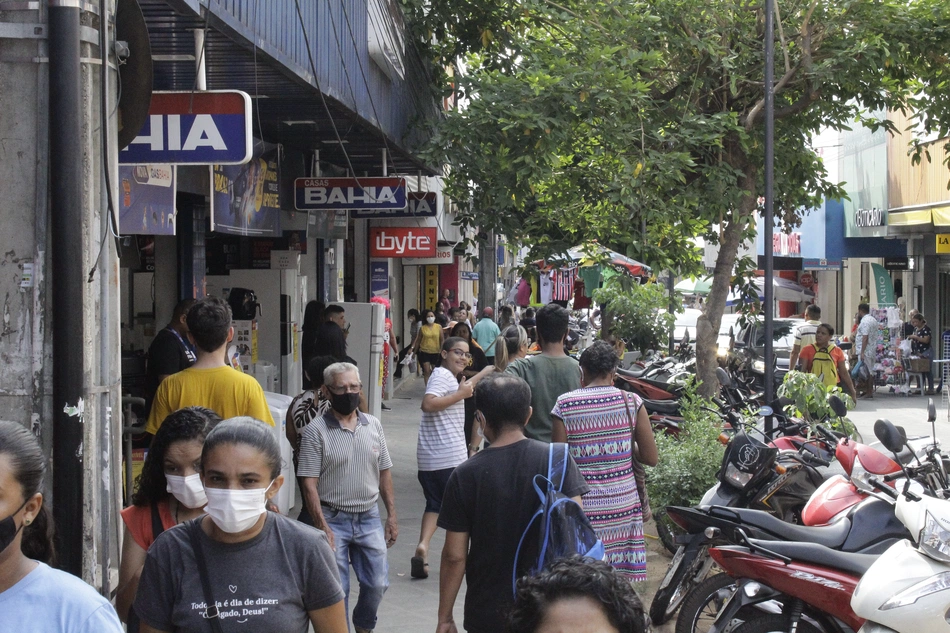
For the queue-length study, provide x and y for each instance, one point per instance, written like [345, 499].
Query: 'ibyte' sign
[392, 241]
[345, 194]
[194, 128]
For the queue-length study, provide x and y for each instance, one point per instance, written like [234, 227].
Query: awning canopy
[938, 216]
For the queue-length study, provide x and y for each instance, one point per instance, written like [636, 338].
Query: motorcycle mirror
[931, 410]
[838, 406]
[890, 437]
[723, 376]
[765, 411]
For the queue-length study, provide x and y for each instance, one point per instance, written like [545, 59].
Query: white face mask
[236, 510]
[188, 490]
[430, 320]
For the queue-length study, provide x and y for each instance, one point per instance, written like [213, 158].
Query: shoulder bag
[639, 474]
[132, 622]
[211, 612]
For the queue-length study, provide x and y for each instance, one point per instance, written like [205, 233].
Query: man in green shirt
[549, 374]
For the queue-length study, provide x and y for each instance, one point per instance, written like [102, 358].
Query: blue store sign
[347, 194]
[194, 128]
[421, 204]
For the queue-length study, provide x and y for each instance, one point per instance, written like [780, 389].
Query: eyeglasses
[460, 353]
[345, 389]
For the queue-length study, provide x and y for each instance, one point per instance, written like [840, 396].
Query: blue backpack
[559, 528]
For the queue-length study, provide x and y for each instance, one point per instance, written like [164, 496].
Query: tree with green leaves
[640, 124]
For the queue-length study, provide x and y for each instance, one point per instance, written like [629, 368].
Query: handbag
[639, 474]
[211, 610]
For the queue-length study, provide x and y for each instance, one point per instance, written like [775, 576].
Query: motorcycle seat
[855, 564]
[832, 536]
[631, 373]
[669, 407]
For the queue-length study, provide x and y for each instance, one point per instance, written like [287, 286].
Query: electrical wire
[257, 94]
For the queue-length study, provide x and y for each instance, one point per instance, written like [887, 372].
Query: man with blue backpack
[497, 526]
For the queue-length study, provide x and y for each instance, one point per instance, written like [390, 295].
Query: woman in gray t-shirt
[264, 570]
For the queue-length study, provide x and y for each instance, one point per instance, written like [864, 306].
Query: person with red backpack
[826, 359]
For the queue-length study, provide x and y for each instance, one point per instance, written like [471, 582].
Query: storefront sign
[943, 243]
[897, 263]
[870, 217]
[430, 290]
[147, 203]
[469, 275]
[246, 198]
[443, 255]
[398, 241]
[422, 204]
[821, 264]
[787, 244]
[194, 128]
[379, 279]
[346, 194]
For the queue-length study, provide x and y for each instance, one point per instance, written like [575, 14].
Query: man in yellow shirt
[210, 382]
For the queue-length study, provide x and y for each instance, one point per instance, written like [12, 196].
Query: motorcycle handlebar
[814, 459]
[878, 485]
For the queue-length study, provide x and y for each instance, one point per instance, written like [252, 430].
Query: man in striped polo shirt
[805, 334]
[344, 468]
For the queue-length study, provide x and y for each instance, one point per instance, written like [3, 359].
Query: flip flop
[419, 569]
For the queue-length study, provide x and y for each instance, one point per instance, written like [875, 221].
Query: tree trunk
[707, 326]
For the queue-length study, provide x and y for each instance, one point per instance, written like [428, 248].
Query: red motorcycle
[789, 586]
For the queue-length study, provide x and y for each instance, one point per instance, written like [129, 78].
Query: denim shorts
[433, 487]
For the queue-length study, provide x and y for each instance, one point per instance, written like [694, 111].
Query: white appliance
[282, 297]
[287, 495]
[364, 344]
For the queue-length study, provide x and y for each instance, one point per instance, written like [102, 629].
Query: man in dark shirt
[170, 351]
[488, 503]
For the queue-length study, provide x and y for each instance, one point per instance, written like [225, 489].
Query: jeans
[360, 540]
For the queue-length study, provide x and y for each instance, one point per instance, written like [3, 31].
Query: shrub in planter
[810, 396]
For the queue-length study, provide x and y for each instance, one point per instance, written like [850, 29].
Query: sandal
[419, 568]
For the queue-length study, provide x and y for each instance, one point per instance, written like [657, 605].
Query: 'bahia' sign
[194, 128]
[346, 194]
[421, 204]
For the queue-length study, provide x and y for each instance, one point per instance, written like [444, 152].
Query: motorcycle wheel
[667, 530]
[775, 623]
[703, 603]
[680, 579]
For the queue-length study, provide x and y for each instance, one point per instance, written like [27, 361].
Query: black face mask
[344, 403]
[9, 530]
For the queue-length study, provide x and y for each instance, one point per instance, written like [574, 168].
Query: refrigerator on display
[367, 323]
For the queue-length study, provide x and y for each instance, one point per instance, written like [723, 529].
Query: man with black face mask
[344, 468]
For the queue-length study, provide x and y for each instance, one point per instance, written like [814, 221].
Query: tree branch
[781, 36]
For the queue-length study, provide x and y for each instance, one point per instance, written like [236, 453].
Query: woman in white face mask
[168, 492]
[265, 571]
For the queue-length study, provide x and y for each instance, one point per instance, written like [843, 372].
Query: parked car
[686, 324]
[750, 347]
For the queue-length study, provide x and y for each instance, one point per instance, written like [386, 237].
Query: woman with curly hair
[576, 594]
[168, 492]
[605, 430]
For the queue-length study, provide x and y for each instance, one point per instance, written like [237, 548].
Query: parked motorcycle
[905, 590]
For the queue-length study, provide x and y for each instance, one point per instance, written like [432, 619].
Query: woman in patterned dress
[596, 422]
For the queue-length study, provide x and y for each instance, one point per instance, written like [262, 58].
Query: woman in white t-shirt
[442, 443]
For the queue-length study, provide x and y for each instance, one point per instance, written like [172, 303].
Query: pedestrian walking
[443, 444]
[168, 492]
[606, 429]
[170, 351]
[309, 405]
[313, 316]
[345, 468]
[805, 334]
[201, 571]
[510, 346]
[485, 333]
[33, 595]
[331, 334]
[825, 359]
[210, 382]
[489, 501]
[428, 344]
[550, 373]
[476, 364]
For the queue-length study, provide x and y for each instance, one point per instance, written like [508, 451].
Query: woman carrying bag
[609, 435]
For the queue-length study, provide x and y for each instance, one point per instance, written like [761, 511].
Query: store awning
[938, 216]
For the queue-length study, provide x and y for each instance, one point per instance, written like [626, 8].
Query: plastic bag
[906, 347]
